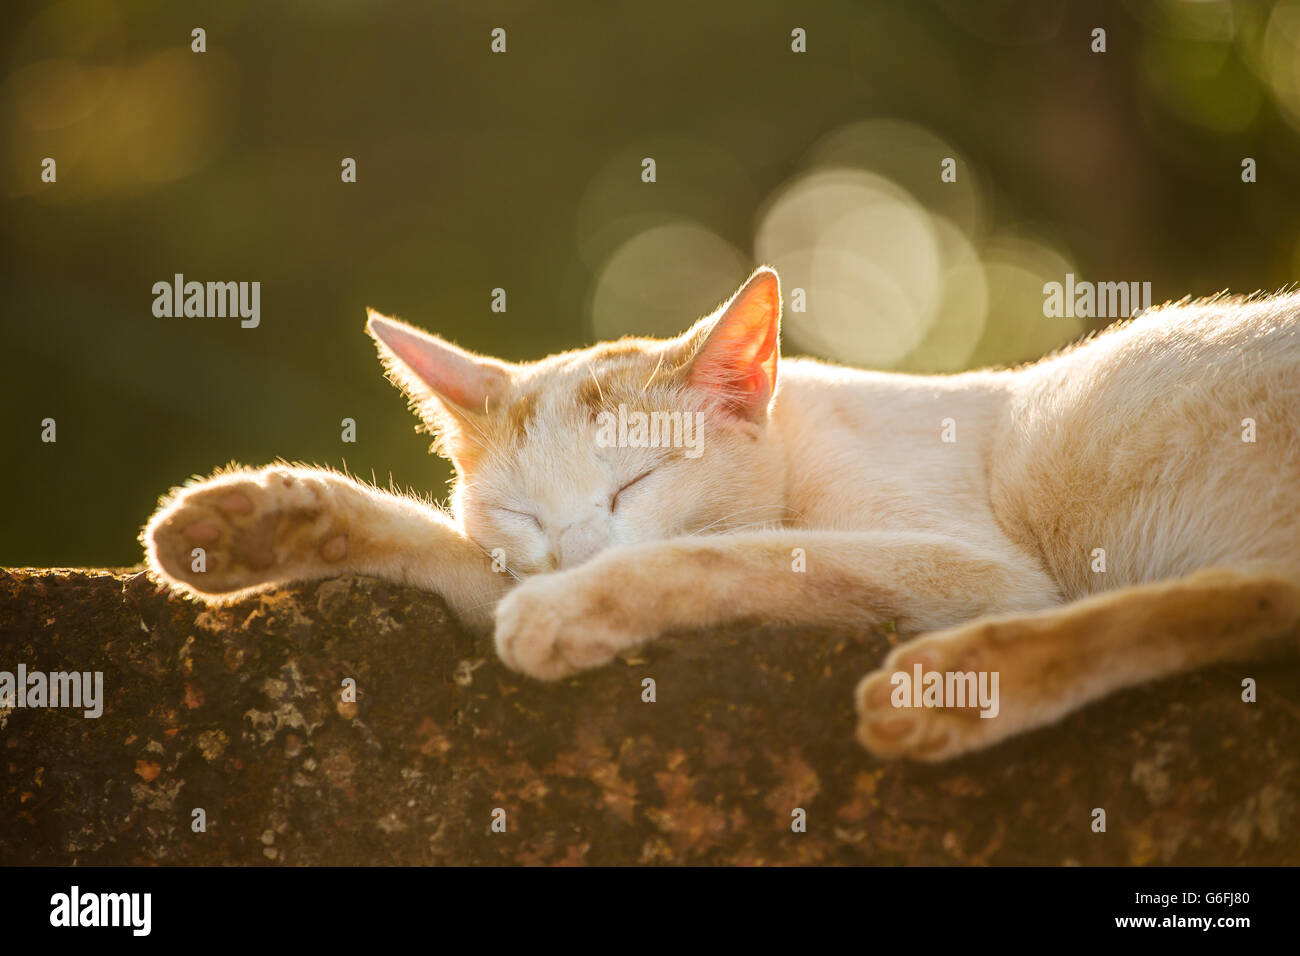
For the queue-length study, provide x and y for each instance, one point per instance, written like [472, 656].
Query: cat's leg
[555, 624]
[257, 528]
[1052, 662]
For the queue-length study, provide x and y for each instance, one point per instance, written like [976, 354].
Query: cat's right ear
[447, 385]
[424, 366]
[736, 354]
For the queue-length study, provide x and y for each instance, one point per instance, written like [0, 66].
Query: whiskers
[499, 562]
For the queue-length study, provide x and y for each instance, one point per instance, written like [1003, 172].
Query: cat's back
[1192, 340]
[1188, 361]
[1169, 442]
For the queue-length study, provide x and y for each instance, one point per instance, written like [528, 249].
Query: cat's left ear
[736, 362]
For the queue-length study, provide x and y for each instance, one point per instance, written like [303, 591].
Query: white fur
[1130, 443]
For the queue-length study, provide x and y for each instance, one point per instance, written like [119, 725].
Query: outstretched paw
[245, 529]
[936, 718]
[553, 626]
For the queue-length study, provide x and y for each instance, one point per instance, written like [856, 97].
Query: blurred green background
[522, 171]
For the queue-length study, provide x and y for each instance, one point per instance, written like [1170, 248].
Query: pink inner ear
[738, 361]
[449, 372]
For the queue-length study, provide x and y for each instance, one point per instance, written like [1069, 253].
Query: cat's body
[1126, 509]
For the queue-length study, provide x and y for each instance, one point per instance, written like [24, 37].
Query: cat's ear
[426, 366]
[737, 353]
[448, 386]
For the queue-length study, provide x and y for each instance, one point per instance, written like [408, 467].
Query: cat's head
[623, 442]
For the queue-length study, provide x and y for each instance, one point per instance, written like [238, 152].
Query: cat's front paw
[244, 530]
[551, 626]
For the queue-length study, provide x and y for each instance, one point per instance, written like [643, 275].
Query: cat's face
[624, 442]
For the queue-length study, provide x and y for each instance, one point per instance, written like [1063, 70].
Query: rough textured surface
[238, 711]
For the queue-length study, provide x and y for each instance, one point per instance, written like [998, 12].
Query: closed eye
[523, 514]
[613, 502]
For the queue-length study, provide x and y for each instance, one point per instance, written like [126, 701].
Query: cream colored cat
[984, 530]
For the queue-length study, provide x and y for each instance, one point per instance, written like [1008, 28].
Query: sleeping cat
[1126, 509]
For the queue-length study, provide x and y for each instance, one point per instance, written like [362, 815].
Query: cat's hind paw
[244, 530]
[941, 715]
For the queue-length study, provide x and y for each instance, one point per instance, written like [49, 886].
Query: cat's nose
[580, 541]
